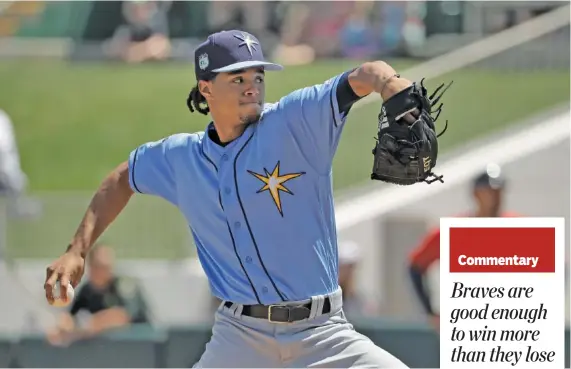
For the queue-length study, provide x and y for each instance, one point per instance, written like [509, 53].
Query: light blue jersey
[261, 208]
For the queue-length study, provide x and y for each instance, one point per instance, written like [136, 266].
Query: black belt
[281, 313]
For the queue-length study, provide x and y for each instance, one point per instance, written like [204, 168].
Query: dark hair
[195, 98]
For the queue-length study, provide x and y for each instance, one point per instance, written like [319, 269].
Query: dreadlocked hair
[195, 99]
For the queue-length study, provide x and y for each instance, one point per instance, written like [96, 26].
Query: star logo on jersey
[274, 183]
[248, 41]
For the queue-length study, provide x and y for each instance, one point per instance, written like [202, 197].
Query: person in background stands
[488, 190]
[13, 180]
[112, 301]
[145, 36]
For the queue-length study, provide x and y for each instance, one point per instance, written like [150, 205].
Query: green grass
[74, 122]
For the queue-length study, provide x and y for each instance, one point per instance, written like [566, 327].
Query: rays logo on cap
[248, 41]
[203, 61]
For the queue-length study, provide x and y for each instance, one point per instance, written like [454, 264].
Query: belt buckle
[278, 306]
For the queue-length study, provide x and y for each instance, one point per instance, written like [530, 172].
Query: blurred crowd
[299, 31]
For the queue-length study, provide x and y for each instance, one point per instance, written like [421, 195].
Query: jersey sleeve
[315, 121]
[150, 171]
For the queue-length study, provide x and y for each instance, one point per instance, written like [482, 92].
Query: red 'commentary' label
[507, 250]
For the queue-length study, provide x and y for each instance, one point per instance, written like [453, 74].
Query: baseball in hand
[58, 300]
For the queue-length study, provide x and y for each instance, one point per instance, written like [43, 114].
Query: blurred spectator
[311, 30]
[13, 181]
[396, 19]
[254, 16]
[358, 37]
[412, 34]
[145, 36]
[349, 258]
[375, 29]
[112, 301]
[487, 190]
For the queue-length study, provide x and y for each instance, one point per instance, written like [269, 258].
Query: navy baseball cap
[228, 51]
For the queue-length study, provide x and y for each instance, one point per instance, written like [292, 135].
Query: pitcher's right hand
[67, 269]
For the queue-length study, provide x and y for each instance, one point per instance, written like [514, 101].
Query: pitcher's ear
[204, 88]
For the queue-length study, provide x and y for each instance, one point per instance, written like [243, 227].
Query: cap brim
[249, 64]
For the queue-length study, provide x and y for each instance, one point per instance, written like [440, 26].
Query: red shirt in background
[428, 251]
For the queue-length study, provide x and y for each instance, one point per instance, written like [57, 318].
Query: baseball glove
[405, 152]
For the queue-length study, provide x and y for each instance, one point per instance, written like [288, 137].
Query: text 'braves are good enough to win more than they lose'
[502, 293]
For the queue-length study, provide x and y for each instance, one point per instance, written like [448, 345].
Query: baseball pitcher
[256, 190]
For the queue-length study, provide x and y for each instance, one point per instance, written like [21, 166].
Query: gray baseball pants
[321, 341]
